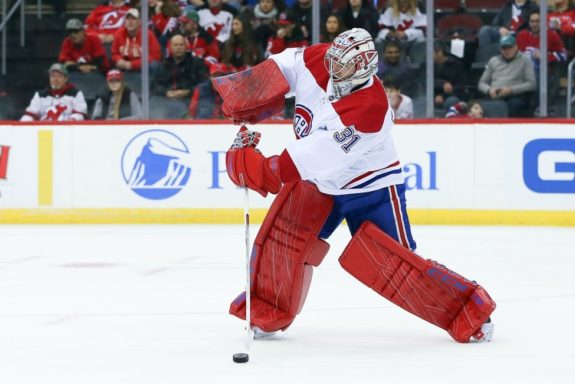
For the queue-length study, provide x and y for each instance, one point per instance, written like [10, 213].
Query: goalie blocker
[423, 287]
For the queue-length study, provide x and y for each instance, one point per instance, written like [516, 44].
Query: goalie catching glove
[247, 167]
[253, 95]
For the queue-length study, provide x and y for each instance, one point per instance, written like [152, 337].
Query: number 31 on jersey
[347, 138]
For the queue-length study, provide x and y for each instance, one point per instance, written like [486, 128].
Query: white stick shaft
[248, 268]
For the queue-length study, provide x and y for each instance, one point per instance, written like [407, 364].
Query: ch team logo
[156, 164]
[549, 165]
[302, 120]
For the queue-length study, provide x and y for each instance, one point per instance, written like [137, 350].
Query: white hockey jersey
[57, 105]
[413, 25]
[344, 146]
[217, 23]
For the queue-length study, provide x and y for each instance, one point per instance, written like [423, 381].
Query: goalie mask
[351, 60]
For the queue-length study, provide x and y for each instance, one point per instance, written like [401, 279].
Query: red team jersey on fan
[565, 21]
[345, 146]
[90, 49]
[130, 48]
[106, 19]
[528, 42]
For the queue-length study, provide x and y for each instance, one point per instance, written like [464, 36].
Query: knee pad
[285, 250]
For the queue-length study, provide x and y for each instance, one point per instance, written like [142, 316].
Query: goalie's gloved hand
[247, 167]
[246, 138]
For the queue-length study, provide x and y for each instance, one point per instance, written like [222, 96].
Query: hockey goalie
[342, 165]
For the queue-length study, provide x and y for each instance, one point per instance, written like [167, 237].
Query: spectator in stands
[402, 21]
[263, 20]
[61, 101]
[191, 3]
[82, 52]
[164, 16]
[393, 64]
[288, 35]
[462, 110]
[401, 104]
[107, 19]
[528, 42]
[180, 73]
[562, 18]
[302, 13]
[200, 43]
[509, 77]
[206, 102]
[361, 14]
[509, 20]
[449, 77]
[217, 18]
[117, 102]
[127, 46]
[333, 26]
[240, 51]
[265, 10]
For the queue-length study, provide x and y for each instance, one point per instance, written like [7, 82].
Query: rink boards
[501, 172]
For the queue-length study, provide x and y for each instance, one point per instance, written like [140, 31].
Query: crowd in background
[479, 68]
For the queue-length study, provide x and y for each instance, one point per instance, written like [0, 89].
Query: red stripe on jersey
[313, 60]
[288, 170]
[396, 204]
[365, 109]
[370, 172]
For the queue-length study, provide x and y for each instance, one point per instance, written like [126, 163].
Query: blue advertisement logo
[156, 164]
[549, 165]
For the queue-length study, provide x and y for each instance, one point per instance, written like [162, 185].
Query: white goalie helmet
[351, 60]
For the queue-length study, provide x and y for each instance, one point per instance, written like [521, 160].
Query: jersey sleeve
[286, 62]
[33, 110]
[79, 107]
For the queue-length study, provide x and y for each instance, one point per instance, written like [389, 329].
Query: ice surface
[148, 305]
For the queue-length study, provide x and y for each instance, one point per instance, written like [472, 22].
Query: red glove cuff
[247, 167]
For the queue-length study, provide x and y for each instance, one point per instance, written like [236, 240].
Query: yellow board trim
[45, 168]
[236, 216]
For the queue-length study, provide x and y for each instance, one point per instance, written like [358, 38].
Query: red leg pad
[423, 287]
[284, 253]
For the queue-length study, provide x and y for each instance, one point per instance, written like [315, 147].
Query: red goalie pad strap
[285, 250]
[423, 287]
[247, 167]
[253, 95]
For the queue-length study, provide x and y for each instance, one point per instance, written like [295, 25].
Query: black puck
[241, 357]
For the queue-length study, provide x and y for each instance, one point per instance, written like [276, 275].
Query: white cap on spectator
[59, 67]
[74, 24]
[134, 13]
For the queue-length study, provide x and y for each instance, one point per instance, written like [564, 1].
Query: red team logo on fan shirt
[214, 29]
[302, 121]
[112, 20]
[54, 112]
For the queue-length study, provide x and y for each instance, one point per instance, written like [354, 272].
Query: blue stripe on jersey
[377, 206]
[377, 178]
